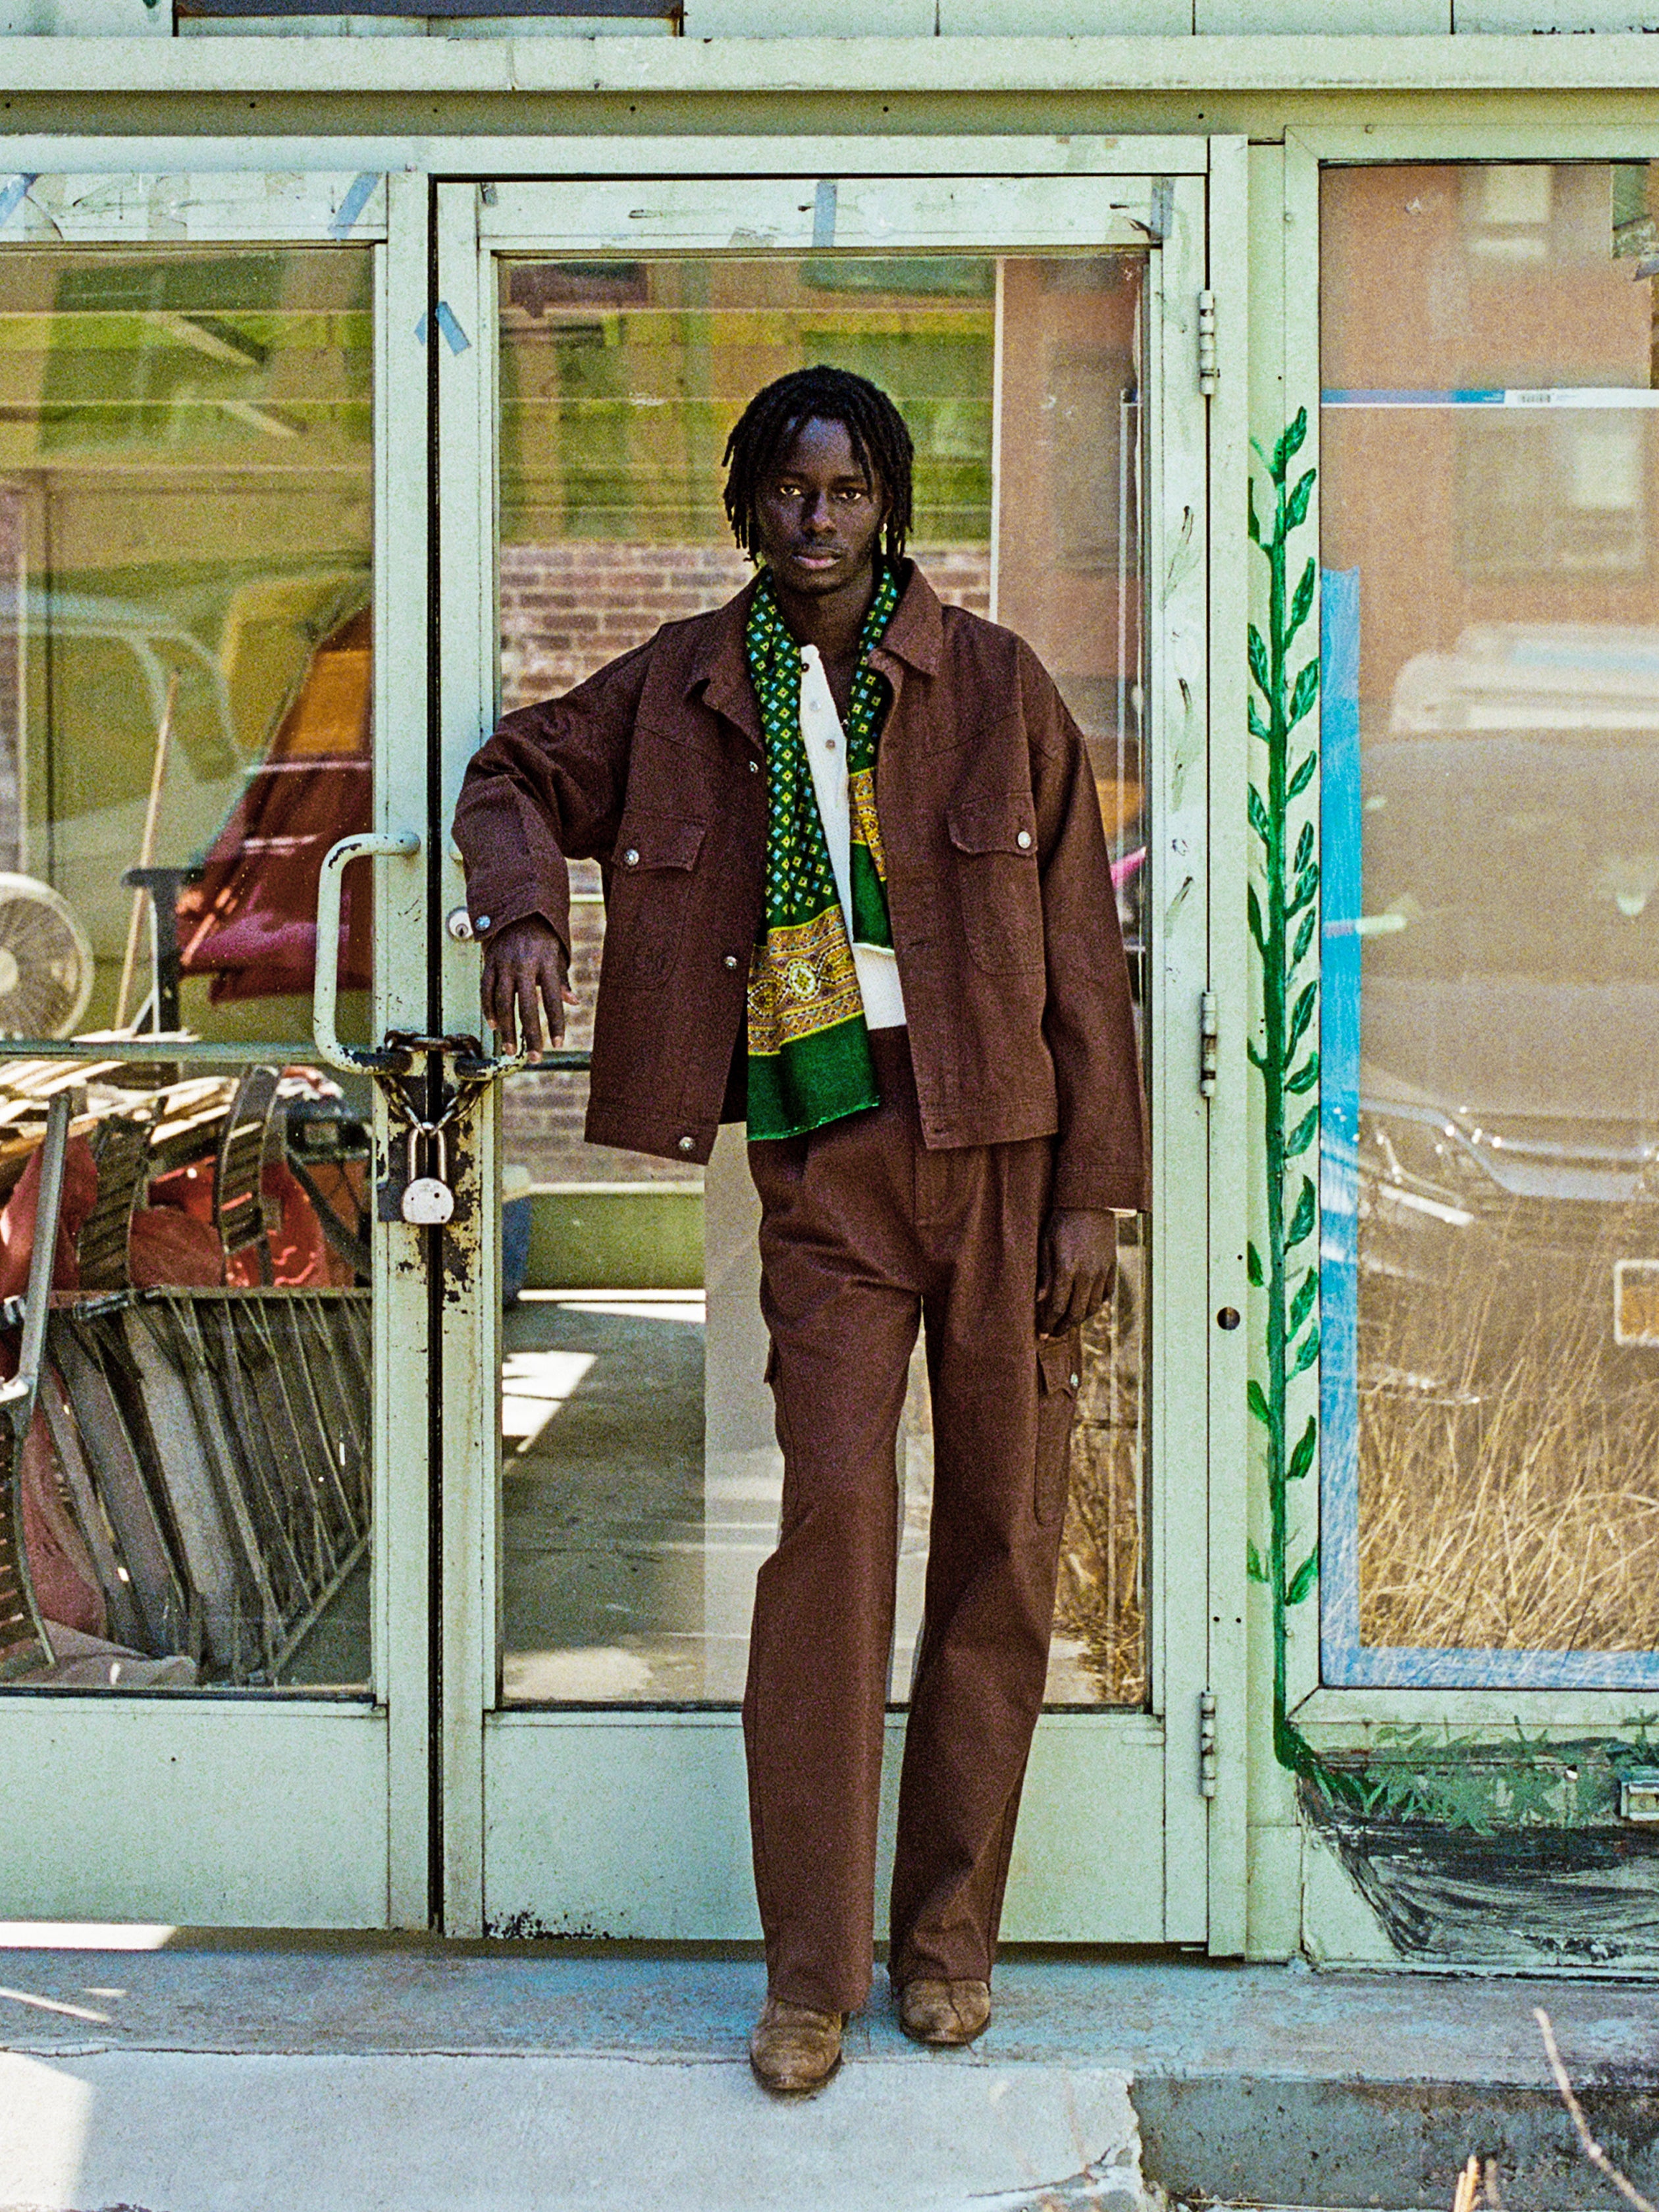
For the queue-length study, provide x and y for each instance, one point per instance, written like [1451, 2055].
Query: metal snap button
[483, 922]
[687, 1143]
[754, 767]
[731, 960]
[1023, 840]
[631, 858]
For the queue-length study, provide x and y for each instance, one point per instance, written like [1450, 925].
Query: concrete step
[212, 2074]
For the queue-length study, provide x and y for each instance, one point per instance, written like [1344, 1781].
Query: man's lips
[817, 556]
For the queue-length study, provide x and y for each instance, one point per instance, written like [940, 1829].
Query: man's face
[817, 515]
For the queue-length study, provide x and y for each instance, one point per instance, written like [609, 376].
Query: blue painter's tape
[1340, 872]
[823, 213]
[13, 197]
[454, 336]
[353, 203]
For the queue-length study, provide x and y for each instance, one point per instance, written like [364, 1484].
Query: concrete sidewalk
[311, 2075]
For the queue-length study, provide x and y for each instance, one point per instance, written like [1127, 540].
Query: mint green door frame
[634, 1821]
[252, 1810]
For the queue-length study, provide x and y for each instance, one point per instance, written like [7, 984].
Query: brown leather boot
[944, 2012]
[795, 2050]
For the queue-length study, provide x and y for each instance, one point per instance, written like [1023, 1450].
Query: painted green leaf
[1306, 1076]
[1300, 782]
[1302, 602]
[1253, 1274]
[1306, 885]
[1304, 846]
[1302, 1458]
[1302, 1305]
[1256, 1059]
[1258, 815]
[1300, 1015]
[1253, 1566]
[1307, 1353]
[1250, 522]
[1289, 446]
[1302, 1221]
[1304, 693]
[1303, 1579]
[1258, 660]
[1296, 507]
[1257, 927]
[1303, 938]
[1302, 1135]
[1258, 728]
[1256, 1397]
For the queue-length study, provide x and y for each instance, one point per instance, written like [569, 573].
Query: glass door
[212, 1597]
[1035, 334]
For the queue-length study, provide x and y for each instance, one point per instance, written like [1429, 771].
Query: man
[858, 895]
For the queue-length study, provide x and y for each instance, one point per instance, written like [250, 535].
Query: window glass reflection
[641, 1478]
[1491, 779]
[185, 495]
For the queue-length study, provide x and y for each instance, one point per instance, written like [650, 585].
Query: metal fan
[46, 961]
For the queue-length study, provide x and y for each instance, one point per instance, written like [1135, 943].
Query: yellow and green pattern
[808, 1049]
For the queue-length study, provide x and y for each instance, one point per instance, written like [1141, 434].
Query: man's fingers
[499, 1003]
[529, 1012]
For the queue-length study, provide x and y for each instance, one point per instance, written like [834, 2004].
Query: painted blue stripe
[1596, 397]
[1341, 820]
[1474, 397]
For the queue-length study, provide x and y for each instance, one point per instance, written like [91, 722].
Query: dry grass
[1509, 1477]
[1102, 1552]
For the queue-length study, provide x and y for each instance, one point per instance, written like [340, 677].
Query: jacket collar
[914, 639]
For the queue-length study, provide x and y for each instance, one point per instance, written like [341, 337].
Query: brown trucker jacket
[1004, 918]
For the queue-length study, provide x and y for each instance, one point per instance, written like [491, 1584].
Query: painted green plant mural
[1284, 920]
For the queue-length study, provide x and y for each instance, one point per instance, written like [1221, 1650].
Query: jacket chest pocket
[994, 844]
[649, 889]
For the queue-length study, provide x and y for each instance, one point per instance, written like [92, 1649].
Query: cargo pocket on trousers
[1059, 1371]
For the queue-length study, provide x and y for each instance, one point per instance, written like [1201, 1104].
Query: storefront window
[1489, 470]
[185, 503]
[641, 1476]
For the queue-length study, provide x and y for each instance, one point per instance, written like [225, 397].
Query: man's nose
[817, 516]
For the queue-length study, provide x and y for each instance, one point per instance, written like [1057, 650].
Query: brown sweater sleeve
[548, 788]
[1100, 1152]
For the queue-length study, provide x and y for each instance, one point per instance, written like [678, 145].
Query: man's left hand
[1077, 1261]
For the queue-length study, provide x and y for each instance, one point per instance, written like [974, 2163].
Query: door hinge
[1206, 1751]
[1209, 1043]
[1207, 368]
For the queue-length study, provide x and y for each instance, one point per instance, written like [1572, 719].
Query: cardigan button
[631, 858]
[730, 960]
[687, 1143]
[754, 767]
[1023, 840]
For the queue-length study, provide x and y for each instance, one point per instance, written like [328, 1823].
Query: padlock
[427, 1200]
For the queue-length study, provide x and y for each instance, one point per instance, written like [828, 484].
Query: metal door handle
[370, 845]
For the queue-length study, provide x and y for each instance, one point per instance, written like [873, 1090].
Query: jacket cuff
[489, 917]
[1094, 1187]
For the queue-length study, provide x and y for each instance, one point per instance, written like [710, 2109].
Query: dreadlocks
[875, 431]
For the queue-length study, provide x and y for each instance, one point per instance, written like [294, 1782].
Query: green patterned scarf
[808, 1049]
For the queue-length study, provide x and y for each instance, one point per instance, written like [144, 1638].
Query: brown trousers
[862, 1230]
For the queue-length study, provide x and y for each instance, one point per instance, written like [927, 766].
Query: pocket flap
[993, 825]
[657, 841]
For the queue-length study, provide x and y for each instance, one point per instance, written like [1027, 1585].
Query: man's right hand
[526, 974]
